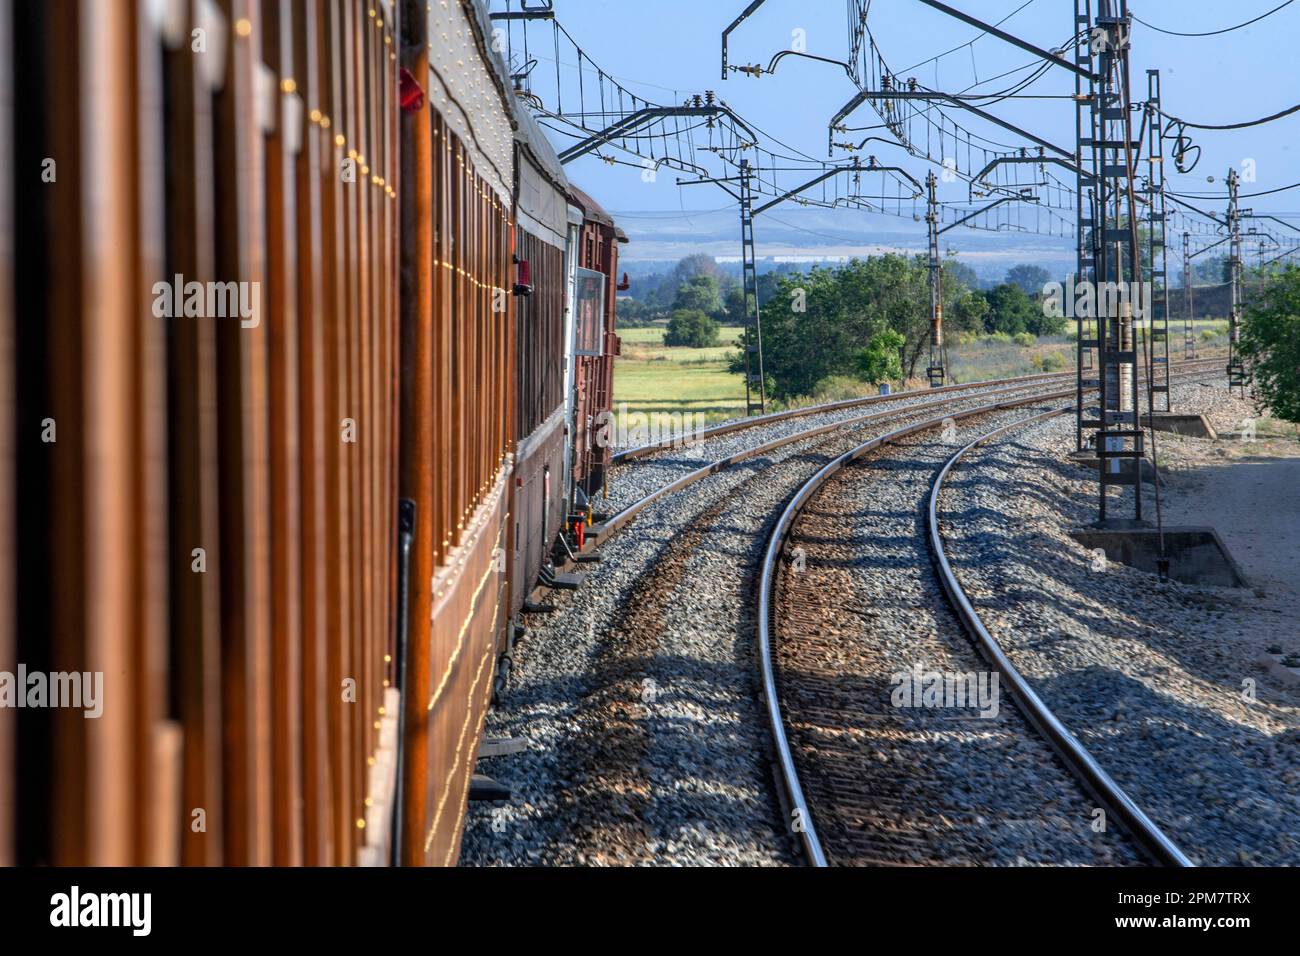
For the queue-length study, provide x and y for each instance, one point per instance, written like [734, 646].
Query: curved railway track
[667, 612]
[675, 466]
[858, 763]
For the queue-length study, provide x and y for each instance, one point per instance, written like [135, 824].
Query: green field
[650, 377]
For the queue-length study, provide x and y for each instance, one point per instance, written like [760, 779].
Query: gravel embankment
[639, 694]
[911, 785]
[1150, 676]
[637, 478]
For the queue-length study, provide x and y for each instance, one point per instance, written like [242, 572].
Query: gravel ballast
[1161, 681]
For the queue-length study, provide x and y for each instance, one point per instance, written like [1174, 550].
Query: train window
[589, 312]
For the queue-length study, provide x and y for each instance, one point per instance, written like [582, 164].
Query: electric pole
[1157, 272]
[1189, 332]
[1120, 438]
[1236, 370]
[755, 383]
[937, 370]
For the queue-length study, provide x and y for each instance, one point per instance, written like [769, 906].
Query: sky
[664, 49]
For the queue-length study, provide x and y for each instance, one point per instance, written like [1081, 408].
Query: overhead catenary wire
[1214, 33]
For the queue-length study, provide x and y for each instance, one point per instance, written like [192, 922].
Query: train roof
[525, 128]
[594, 211]
[590, 208]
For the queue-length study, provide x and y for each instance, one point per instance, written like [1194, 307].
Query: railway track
[858, 608]
[639, 472]
[639, 694]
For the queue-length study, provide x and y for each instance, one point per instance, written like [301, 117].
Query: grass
[650, 377]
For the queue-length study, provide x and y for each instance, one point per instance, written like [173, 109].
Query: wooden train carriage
[200, 428]
[595, 289]
[458, 396]
[538, 489]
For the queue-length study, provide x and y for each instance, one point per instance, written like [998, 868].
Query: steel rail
[602, 532]
[606, 529]
[786, 769]
[631, 453]
[678, 441]
[1075, 755]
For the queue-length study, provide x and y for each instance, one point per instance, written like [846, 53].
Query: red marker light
[409, 92]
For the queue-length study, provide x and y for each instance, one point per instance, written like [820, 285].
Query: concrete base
[1196, 555]
[1191, 426]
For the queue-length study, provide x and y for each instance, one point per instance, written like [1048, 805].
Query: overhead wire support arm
[744, 15]
[971, 215]
[1252, 215]
[644, 117]
[1029, 161]
[991, 30]
[921, 94]
[854, 168]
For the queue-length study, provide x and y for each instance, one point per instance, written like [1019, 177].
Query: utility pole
[1086, 338]
[1119, 436]
[1189, 333]
[755, 383]
[1236, 370]
[1158, 270]
[937, 369]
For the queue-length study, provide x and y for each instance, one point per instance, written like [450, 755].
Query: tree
[963, 275]
[1029, 278]
[1010, 310]
[628, 312]
[734, 307]
[1270, 344]
[691, 328]
[968, 312]
[699, 293]
[879, 361]
[699, 264]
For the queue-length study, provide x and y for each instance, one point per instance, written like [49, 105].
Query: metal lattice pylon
[1158, 268]
[752, 338]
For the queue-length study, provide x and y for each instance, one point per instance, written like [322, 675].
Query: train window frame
[589, 326]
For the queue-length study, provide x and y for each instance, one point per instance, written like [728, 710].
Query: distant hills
[812, 235]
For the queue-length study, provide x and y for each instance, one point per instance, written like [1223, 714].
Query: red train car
[538, 490]
[594, 242]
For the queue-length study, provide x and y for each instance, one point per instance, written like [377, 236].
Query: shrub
[1270, 344]
[691, 328]
[1025, 338]
[880, 361]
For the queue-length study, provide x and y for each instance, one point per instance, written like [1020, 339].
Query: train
[305, 338]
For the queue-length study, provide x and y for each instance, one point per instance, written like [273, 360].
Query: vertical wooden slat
[336, 313]
[108, 300]
[157, 740]
[355, 712]
[7, 531]
[282, 321]
[192, 442]
[418, 456]
[317, 149]
[243, 397]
